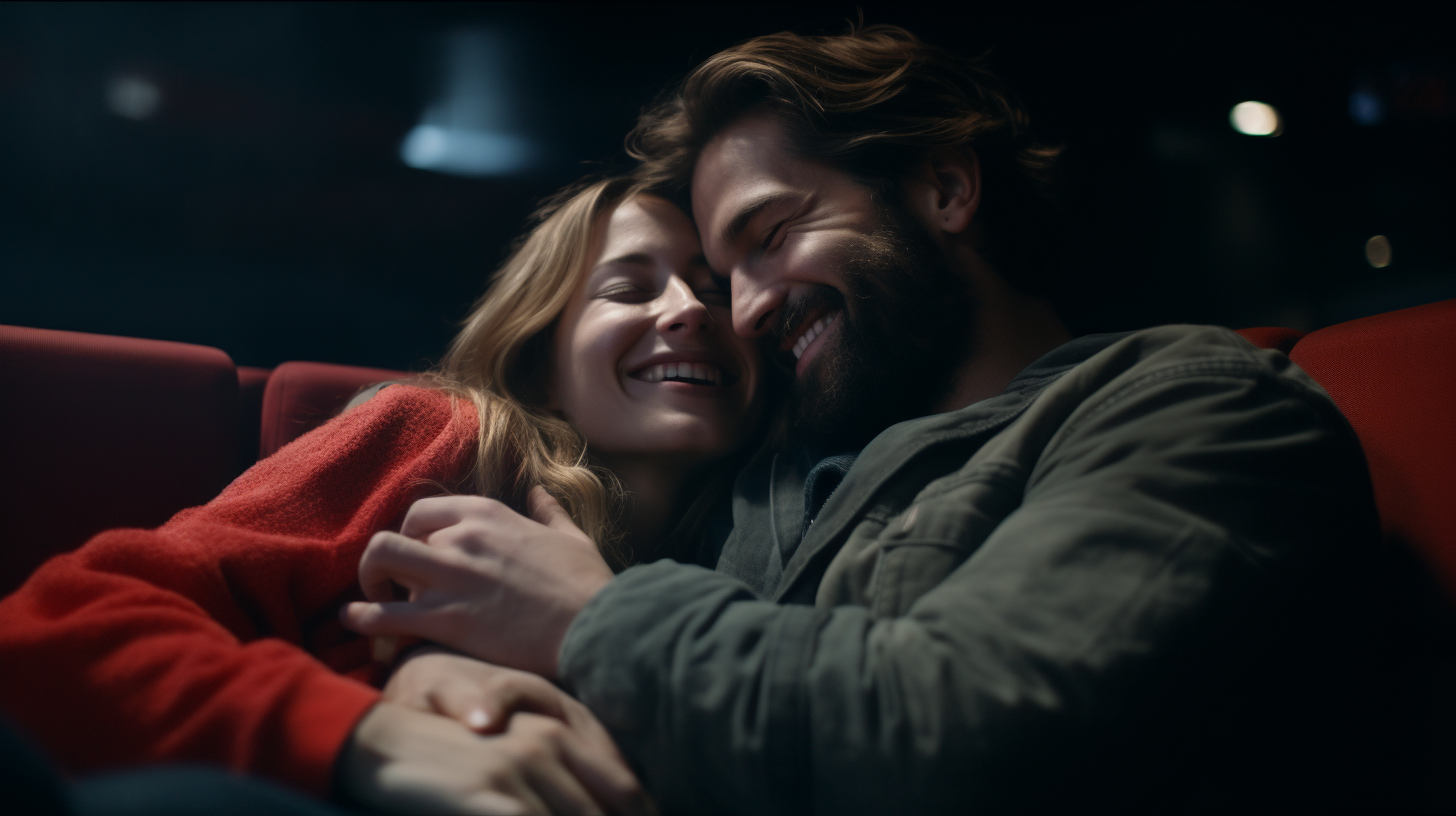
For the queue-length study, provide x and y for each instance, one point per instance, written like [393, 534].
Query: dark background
[262, 205]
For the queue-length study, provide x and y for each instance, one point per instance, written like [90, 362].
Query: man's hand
[406, 761]
[482, 696]
[482, 579]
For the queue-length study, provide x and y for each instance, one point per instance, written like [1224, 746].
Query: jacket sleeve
[215, 638]
[1152, 532]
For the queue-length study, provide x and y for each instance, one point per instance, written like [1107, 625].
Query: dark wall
[262, 206]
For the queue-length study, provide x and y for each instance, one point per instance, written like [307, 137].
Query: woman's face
[646, 363]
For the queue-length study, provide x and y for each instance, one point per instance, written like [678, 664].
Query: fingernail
[477, 719]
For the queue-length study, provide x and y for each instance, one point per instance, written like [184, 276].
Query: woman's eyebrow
[634, 258]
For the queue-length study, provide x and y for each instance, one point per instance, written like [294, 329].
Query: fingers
[431, 515]
[597, 769]
[462, 700]
[442, 682]
[392, 558]
[510, 691]
[394, 618]
[544, 509]
[485, 703]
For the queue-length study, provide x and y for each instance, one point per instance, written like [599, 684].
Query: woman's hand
[481, 578]
[405, 761]
[482, 696]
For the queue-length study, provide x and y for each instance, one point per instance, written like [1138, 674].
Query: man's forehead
[748, 161]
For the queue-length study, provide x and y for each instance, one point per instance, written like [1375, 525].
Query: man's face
[849, 291]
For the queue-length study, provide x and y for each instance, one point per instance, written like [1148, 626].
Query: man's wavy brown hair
[873, 102]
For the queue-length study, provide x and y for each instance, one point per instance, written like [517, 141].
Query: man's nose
[756, 304]
[682, 310]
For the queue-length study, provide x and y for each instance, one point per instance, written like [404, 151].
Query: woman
[600, 365]
[644, 367]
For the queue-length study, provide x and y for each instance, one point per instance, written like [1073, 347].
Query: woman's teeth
[814, 331]
[703, 373]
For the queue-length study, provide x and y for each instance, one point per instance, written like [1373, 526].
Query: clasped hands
[460, 735]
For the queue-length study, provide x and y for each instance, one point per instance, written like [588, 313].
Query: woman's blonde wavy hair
[501, 358]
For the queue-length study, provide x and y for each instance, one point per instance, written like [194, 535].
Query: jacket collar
[896, 447]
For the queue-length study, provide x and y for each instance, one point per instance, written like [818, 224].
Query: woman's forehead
[648, 225]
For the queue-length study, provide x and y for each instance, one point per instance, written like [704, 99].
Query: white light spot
[474, 126]
[1256, 119]
[133, 97]
[1377, 251]
[465, 152]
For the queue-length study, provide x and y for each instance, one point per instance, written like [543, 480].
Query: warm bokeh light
[1377, 251]
[1256, 119]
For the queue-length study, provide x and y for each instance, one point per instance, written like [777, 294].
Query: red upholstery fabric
[103, 432]
[251, 382]
[1272, 337]
[1394, 376]
[302, 396]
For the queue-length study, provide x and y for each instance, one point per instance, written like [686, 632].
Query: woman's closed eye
[625, 292]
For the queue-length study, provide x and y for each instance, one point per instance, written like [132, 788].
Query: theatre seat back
[1394, 377]
[102, 432]
[1272, 337]
[301, 396]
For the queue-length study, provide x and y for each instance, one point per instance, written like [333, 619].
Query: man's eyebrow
[740, 222]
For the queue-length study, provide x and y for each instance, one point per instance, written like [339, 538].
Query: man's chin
[830, 404]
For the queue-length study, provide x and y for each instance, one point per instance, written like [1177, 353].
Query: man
[994, 566]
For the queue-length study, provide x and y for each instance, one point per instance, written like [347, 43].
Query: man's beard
[893, 355]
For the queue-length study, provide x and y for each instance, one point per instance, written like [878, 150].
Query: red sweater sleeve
[215, 637]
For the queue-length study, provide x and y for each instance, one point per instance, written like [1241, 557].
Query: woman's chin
[679, 440]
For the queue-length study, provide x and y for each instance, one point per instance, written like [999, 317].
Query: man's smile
[812, 332]
[811, 337]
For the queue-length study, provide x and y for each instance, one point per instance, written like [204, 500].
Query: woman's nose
[682, 311]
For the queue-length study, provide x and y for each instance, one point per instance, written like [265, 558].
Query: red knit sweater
[215, 638]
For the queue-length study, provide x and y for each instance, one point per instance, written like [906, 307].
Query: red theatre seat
[1272, 337]
[104, 432]
[1394, 376]
[302, 396]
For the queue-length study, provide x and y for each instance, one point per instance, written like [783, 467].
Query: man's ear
[946, 189]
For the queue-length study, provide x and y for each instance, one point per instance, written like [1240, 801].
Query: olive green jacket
[1119, 581]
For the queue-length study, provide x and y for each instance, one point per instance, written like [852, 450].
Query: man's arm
[1152, 569]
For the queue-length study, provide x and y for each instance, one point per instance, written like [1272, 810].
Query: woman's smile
[646, 361]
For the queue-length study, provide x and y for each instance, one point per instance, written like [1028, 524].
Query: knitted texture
[215, 638]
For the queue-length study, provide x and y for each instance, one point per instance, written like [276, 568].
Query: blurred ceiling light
[1377, 251]
[1256, 119]
[472, 128]
[1366, 107]
[133, 97]
[465, 152]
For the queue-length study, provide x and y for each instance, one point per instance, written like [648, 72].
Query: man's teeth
[706, 372]
[814, 331]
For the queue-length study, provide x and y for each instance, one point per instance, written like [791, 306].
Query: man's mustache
[796, 309]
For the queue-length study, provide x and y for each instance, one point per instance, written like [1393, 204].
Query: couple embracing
[777, 485]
